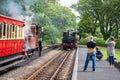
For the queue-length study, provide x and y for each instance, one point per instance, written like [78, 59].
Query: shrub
[117, 43]
[99, 42]
[83, 41]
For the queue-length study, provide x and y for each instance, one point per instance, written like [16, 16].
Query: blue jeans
[90, 56]
[111, 60]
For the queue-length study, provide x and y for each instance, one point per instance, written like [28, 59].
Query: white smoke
[16, 12]
[12, 8]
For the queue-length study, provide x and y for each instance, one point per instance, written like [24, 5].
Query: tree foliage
[59, 17]
[87, 25]
[104, 13]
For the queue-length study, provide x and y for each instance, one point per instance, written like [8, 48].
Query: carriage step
[10, 65]
[11, 59]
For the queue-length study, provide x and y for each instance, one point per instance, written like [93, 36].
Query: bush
[117, 43]
[83, 41]
[99, 42]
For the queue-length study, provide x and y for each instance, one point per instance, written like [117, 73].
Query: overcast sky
[68, 3]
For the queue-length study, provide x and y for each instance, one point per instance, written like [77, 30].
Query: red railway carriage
[11, 41]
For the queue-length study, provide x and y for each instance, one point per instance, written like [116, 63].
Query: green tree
[87, 24]
[59, 17]
[116, 15]
[102, 11]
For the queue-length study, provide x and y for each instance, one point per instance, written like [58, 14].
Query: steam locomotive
[69, 40]
[14, 44]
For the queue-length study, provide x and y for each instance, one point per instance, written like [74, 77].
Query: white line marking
[74, 75]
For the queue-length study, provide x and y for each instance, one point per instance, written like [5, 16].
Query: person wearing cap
[91, 54]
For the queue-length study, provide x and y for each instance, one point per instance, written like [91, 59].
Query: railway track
[35, 55]
[25, 72]
[52, 68]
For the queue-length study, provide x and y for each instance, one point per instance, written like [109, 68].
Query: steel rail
[42, 68]
[60, 66]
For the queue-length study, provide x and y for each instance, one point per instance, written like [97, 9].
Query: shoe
[93, 70]
[84, 70]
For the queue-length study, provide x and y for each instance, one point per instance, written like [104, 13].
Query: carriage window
[19, 32]
[0, 30]
[15, 31]
[10, 30]
[7, 31]
[4, 30]
[22, 32]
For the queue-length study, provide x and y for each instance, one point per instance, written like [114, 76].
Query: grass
[101, 42]
[104, 51]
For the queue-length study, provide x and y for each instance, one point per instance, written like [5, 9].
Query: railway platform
[103, 70]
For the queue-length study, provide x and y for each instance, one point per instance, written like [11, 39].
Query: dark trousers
[111, 60]
[40, 51]
[40, 48]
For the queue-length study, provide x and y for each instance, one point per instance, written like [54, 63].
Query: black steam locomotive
[69, 40]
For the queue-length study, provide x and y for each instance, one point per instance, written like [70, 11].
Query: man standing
[91, 54]
[40, 47]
